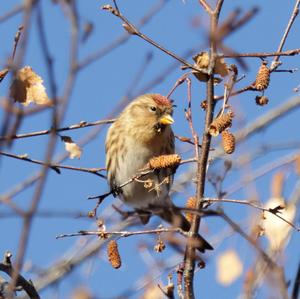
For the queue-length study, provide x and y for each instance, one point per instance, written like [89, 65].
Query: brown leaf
[202, 61]
[229, 267]
[71, 147]
[221, 67]
[28, 87]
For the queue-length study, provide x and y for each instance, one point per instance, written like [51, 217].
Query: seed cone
[228, 142]
[261, 100]
[220, 123]
[113, 254]
[164, 161]
[262, 78]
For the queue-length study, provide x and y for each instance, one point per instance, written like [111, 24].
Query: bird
[143, 131]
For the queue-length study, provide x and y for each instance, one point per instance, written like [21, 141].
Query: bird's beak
[166, 119]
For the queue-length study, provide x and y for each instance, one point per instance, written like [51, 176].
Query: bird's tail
[175, 217]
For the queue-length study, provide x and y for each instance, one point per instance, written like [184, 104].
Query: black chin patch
[159, 127]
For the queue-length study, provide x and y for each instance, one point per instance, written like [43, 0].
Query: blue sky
[98, 88]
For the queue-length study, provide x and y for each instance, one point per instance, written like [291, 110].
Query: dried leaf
[229, 267]
[202, 61]
[28, 87]
[276, 230]
[71, 147]
[221, 67]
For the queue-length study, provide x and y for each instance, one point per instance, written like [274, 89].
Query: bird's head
[150, 113]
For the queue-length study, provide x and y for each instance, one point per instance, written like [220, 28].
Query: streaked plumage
[141, 132]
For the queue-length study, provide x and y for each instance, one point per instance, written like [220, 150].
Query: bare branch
[206, 6]
[295, 12]
[82, 124]
[54, 166]
[132, 29]
[261, 54]
[121, 39]
[123, 234]
[254, 205]
[28, 287]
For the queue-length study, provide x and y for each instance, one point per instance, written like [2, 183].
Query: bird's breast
[137, 193]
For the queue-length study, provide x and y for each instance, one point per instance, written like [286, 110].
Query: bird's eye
[153, 108]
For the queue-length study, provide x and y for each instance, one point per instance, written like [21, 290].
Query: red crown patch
[161, 100]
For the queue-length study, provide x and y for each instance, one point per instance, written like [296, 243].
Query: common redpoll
[142, 132]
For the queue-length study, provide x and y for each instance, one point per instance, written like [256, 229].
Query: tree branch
[28, 287]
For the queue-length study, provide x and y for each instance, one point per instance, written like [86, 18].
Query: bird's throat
[159, 128]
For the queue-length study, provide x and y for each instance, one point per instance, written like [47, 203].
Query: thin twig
[61, 268]
[132, 29]
[232, 23]
[136, 177]
[254, 205]
[236, 92]
[36, 198]
[177, 83]
[295, 12]
[82, 124]
[15, 10]
[285, 160]
[229, 86]
[206, 6]
[261, 54]
[55, 166]
[252, 241]
[121, 39]
[15, 45]
[123, 234]
[6, 267]
[186, 139]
